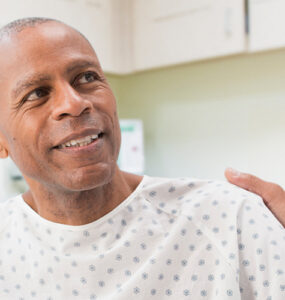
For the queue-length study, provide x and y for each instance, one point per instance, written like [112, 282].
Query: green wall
[201, 117]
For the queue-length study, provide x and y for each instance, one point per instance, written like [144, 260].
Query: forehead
[42, 48]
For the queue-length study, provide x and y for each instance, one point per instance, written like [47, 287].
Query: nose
[68, 102]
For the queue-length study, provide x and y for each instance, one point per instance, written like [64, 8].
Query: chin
[90, 179]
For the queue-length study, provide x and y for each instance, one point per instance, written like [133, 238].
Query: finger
[267, 190]
[272, 194]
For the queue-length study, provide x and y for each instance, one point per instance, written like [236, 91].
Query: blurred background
[200, 82]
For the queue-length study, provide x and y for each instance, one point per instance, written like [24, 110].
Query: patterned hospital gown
[170, 239]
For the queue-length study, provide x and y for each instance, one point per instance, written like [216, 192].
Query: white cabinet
[121, 24]
[134, 35]
[266, 24]
[168, 32]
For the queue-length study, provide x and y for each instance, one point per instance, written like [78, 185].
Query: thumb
[247, 181]
[272, 194]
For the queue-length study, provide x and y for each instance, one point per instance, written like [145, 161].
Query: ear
[3, 149]
[3, 152]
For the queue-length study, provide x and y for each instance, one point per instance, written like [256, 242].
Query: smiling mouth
[77, 143]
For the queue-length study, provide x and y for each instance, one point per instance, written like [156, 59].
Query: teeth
[80, 142]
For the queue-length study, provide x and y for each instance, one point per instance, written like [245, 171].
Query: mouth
[80, 142]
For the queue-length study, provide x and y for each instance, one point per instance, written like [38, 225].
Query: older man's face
[58, 116]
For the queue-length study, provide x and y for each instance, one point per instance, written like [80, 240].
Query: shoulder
[224, 212]
[235, 221]
[199, 199]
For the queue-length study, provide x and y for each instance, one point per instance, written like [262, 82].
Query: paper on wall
[131, 158]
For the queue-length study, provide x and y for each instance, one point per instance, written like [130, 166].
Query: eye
[87, 77]
[36, 94]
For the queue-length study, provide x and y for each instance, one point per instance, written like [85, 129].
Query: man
[85, 229]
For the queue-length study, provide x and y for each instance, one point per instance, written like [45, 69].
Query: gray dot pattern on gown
[170, 239]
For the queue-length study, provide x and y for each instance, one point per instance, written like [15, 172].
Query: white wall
[9, 187]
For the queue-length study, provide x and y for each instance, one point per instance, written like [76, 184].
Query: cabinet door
[91, 17]
[266, 24]
[169, 32]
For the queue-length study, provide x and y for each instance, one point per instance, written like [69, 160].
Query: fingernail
[234, 172]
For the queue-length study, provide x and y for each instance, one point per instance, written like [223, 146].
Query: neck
[79, 208]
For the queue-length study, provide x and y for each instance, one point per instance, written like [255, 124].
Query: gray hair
[17, 26]
[20, 24]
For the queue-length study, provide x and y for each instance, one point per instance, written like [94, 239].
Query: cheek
[116, 128]
[30, 128]
[110, 109]
[31, 162]
[25, 142]
[21, 150]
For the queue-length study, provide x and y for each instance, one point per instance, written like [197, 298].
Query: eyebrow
[82, 65]
[37, 79]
